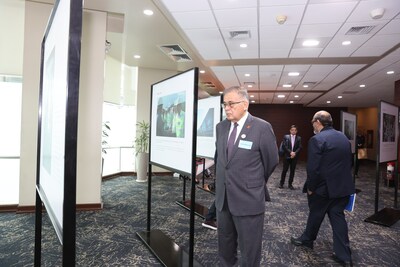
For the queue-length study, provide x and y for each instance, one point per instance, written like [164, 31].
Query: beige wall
[90, 103]
[120, 85]
[147, 77]
[12, 36]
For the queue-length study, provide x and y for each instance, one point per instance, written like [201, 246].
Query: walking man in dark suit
[247, 155]
[328, 186]
[291, 146]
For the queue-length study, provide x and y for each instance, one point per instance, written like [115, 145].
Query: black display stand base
[168, 252]
[199, 210]
[386, 217]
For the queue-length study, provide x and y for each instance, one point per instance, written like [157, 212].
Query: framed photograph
[173, 109]
[348, 126]
[208, 115]
[388, 131]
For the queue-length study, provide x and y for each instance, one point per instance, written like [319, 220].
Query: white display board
[172, 122]
[388, 131]
[208, 116]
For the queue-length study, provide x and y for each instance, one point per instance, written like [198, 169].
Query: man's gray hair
[239, 90]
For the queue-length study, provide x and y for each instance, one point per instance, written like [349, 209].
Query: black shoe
[341, 262]
[291, 187]
[299, 242]
[281, 186]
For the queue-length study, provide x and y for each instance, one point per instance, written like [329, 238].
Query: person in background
[210, 221]
[360, 142]
[247, 156]
[292, 147]
[328, 186]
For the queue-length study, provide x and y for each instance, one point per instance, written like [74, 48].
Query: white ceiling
[202, 28]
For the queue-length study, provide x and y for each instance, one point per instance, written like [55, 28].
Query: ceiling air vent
[175, 52]
[208, 84]
[360, 30]
[240, 34]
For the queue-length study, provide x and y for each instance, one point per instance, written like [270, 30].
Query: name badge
[245, 144]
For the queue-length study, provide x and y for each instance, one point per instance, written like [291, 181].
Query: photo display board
[348, 126]
[388, 131]
[58, 115]
[172, 108]
[208, 115]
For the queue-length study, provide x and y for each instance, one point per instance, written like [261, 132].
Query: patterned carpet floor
[108, 237]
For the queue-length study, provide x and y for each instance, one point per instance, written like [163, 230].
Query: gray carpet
[108, 237]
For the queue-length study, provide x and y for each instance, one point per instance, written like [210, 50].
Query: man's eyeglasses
[312, 121]
[230, 104]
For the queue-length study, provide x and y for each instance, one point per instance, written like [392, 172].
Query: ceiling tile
[268, 15]
[221, 4]
[195, 20]
[282, 2]
[187, 5]
[228, 18]
[208, 43]
[328, 12]
[363, 9]
[318, 30]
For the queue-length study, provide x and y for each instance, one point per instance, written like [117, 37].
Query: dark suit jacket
[243, 177]
[329, 164]
[287, 145]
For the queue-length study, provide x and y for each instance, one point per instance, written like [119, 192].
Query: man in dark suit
[292, 146]
[328, 186]
[247, 155]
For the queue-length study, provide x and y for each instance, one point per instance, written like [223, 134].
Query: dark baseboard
[115, 175]
[31, 209]
[8, 208]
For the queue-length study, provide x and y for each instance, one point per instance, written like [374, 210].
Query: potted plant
[141, 145]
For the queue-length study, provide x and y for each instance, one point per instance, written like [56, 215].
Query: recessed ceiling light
[221, 92]
[362, 85]
[136, 56]
[293, 73]
[309, 43]
[296, 96]
[346, 43]
[281, 96]
[390, 72]
[251, 95]
[148, 12]
[202, 71]
[247, 75]
[243, 45]
[305, 85]
[328, 102]
[291, 101]
[250, 85]
[339, 96]
[253, 101]
[287, 85]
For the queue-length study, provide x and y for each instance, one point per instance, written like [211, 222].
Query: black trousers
[288, 162]
[319, 206]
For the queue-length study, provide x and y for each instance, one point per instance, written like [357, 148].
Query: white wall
[90, 103]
